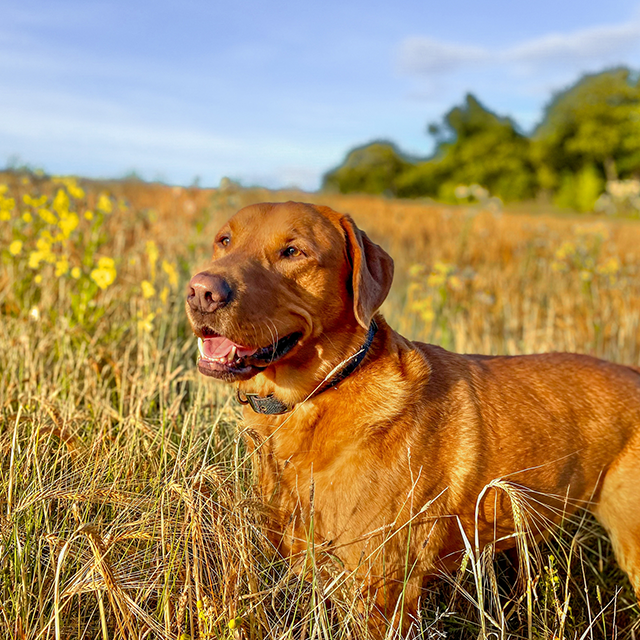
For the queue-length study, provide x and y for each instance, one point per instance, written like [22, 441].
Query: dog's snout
[208, 292]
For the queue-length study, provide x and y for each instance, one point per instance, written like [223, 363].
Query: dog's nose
[208, 292]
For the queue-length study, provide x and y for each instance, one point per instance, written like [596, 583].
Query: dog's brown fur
[416, 433]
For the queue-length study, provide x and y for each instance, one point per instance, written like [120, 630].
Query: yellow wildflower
[104, 203]
[566, 249]
[44, 252]
[105, 273]
[68, 223]
[152, 254]
[15, 247]
[62, 266]
[234, 623]
[147, 289]
[6, 206]
[3, 189]
[424, 307]
[47, 216]
[440, 274]
[106, 263]
[172, 272]
[455, 283]
[586, 275]
[74, 190]
[145, 323]
[61, 202]
[164, 295]
[27, 217]
[102, 277]
[45, 234]
[34, 202]
[76, 272]
[43, 243]
[88, 215]
[35, 258]
[417, 270]
[38, 279]
[609, 267]
[5, 215]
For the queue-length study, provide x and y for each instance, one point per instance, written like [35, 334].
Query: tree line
[589, 134]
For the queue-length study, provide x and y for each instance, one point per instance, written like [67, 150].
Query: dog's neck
[315, 439]
[272, 405]
[317, 367]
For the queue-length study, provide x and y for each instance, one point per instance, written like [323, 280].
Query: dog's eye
[291, 252]
[224, 241]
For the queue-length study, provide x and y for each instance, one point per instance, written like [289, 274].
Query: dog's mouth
[224, 359]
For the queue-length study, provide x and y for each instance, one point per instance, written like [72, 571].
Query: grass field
[126, 499]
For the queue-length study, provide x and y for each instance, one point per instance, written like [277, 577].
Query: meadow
[127, 502]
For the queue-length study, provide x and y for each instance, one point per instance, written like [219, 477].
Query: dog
[399, 451]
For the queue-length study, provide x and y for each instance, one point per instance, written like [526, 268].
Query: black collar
[270, 405]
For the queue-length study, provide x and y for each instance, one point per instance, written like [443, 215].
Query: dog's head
[282, 277]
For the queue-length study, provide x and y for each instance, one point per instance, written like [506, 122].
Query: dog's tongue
[220, 347]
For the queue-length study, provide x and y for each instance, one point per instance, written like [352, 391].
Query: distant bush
[475, 146]
[589, 135]
[580, 190]
[373, 168]
[592, 123]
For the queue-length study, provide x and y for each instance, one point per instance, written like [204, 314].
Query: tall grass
[127, 504]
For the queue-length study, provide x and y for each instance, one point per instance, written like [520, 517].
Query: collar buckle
[270, 405]
[266, 405]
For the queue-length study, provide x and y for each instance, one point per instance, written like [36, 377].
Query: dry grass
[126, 499]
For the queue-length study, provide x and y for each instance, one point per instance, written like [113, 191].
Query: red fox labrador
[392, 443]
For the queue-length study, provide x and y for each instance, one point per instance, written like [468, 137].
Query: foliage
[57, 238]
[475, 145]
[590, 132]
[595, 122]
[373, 168]
[579, 190]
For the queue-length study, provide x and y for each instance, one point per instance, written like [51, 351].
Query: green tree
[373, 168]
[474, 145]
[590, 131]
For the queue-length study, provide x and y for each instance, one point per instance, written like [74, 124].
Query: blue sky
[276, 93]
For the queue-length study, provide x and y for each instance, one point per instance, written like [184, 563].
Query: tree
[592, 125]
[373, 168]
[474, 145]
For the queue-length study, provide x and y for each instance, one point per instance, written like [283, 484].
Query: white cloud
[431, 56]
[587, 45]
[609, 44]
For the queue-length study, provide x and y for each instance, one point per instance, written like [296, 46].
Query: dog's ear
[372, 272]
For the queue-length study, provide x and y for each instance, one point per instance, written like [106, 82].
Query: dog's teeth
[228, 359]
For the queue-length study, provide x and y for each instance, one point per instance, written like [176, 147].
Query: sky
[276, 93]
